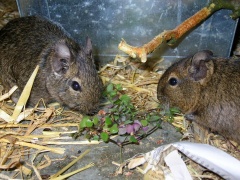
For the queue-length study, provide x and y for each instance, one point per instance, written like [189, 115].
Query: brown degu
[207, 90]
[67, 72]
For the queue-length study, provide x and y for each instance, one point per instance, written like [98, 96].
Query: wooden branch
[171, 36]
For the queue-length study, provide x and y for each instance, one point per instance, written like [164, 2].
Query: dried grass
[8, 11]
[141, 86]
[22, 131]
[21, 138]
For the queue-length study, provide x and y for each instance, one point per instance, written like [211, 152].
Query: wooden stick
[171, 36]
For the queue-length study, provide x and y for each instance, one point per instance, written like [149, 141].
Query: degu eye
[76, 86]
[173, 81]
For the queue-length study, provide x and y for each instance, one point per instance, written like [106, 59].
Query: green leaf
[144, 122]
[95, 120]
[114, 129]
[170, 119]
[125, 99]
[104, 136]
[108, 121]
[105, 127]
[110, 87]
[114, 110]
[89, 123]
[116, 117]
[117, 102]
[85, 118]
[96, 137]
[113, 93]
[83, 122]
[133, 139]
[174, 110]
[118, 87]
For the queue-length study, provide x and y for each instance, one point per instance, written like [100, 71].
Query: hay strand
[24, 96]
[8, 94]
[70, 164]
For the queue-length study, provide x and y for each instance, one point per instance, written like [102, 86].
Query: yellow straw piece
[24, 96]
[70, 164]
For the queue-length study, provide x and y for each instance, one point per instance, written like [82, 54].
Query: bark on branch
[171, 36]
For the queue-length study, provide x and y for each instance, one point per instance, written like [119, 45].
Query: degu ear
[201, 67]
[61, 58]
[88, 47]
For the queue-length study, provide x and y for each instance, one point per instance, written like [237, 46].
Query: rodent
[207, 90]
[67, 72]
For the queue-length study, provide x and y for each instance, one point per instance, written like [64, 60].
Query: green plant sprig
[121, 117]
